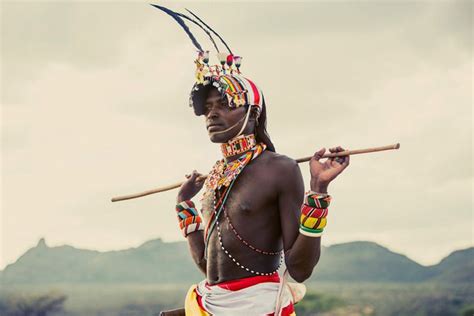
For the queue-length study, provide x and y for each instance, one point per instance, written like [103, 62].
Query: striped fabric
[250, 296]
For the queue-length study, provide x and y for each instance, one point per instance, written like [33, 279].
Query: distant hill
[457, 267]
[158, 262]
[153, 262]
[366, 261]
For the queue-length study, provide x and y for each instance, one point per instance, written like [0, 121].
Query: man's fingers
[333, 150]
[343, 160]
[319, 154]
[336, 149]
[193, 175]
[196, 178]
[339, 160]
[346, 161]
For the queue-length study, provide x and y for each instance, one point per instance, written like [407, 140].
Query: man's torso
[252, 208]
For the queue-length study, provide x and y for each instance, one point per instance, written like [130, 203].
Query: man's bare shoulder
[279, 163]
[282, 171]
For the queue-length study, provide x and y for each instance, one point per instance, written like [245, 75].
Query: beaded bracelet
[318, 200]
[189, 219]
[314, 211]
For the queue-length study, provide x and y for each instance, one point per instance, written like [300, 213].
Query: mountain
[457, 267]
[153, 262]
[156, 261]
[366, 261]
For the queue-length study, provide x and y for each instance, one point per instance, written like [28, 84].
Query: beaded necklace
[224, 175]
[215, 183]
[268, 253]
[240, 264]
[238, 145]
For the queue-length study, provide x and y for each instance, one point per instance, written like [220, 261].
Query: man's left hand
[322, 173]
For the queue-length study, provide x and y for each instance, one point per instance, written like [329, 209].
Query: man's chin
[218, 137]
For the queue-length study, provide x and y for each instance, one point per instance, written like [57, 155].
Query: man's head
[224, 100]
[224, 122]
[240, 92]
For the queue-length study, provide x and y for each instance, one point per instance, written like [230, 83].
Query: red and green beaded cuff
[318, 200]
[314, 211]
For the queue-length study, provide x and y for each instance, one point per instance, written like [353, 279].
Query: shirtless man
[263, 205]
[255, 212]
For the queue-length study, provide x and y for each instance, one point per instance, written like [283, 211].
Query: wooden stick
[304, 159]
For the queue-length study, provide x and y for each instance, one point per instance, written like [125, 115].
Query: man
[263, 207]
[252, 205]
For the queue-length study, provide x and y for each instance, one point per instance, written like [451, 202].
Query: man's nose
[213, 113]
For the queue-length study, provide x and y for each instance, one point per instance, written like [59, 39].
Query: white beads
[231, 257]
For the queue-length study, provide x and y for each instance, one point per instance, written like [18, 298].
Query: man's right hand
[191, 187]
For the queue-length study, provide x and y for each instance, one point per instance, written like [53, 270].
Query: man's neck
[238, 146]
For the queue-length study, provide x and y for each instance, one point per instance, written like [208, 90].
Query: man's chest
[251, 195]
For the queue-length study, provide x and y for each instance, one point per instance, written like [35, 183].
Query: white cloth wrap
[259, 299]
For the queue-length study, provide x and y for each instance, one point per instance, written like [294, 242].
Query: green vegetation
[398, 299]
[318, 302]
[32, 305]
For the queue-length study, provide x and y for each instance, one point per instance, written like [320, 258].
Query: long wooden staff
[299, 160]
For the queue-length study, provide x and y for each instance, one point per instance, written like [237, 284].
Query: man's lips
[214, 127]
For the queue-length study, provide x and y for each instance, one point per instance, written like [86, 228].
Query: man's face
[220, 118]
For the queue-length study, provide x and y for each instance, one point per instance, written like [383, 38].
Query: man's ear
[253, 113]
[253, 118]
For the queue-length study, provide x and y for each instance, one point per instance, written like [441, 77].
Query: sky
[94, 104]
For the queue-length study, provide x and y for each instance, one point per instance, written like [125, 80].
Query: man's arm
[196, 247]
[301, 252]
[195, 239]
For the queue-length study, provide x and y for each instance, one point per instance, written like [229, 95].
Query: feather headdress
[224, 76]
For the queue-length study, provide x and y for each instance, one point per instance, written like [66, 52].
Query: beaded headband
[225, 76]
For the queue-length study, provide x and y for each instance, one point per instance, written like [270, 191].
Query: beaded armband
[189, 218]
[314, 211]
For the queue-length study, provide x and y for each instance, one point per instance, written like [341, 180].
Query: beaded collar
[238, 145]
[223, 173]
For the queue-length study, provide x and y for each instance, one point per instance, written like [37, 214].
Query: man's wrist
[180, 199]
[318, 186]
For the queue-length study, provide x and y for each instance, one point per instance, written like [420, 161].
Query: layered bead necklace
[224, 175]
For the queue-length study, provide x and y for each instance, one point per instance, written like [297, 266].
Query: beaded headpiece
[225, 76]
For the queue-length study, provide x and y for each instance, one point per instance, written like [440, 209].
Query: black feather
[180, 22]
[202, 27]
[222, 40]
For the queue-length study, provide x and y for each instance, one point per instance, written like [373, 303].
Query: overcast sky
[95, 104]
